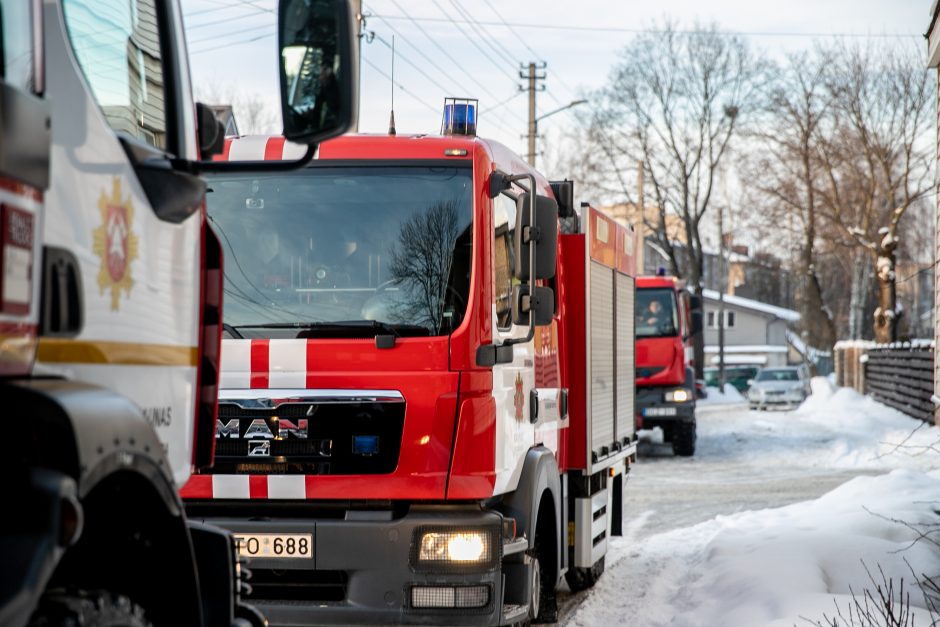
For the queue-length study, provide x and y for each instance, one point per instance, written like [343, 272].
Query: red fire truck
[667, 318]
[427, 404]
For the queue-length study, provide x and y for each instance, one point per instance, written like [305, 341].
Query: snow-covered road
[681, 515]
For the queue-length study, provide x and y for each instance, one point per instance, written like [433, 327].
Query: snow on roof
[731, 360]
[755, 305]
[806, 351]
[748, 348]
[914, 343]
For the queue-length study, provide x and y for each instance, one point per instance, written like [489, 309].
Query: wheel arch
[538, 494]
[99, 442]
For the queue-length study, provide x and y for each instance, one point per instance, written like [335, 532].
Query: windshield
[344, 247]
[656, 314]
[777, 375]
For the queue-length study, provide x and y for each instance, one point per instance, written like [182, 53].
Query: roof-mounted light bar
[460, 116]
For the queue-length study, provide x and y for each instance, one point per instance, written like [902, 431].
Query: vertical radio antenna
[391, 118]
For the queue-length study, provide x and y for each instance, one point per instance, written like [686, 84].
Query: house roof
[754, 305]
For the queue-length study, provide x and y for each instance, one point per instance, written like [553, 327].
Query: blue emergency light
[460, 116]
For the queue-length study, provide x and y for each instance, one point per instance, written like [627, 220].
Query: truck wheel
[683, 443]
[88, 609]
[544, 605]
[583, 578]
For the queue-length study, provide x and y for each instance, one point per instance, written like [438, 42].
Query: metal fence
[902, 377]
[899, 375]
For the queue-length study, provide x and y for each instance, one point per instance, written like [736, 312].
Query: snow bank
[775, 566]
[834, 428]
[714, 395]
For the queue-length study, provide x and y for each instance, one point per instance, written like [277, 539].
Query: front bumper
[654, 411]
[362, 570]
[786, 398]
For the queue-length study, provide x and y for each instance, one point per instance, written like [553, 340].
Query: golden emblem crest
[115, 243]
[519, 397]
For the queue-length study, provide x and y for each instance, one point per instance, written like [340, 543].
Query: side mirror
[211, 132]
[696, 321]
[564, 193]
[541, 304]
[318, 69]
[695, 302]
[542, 237]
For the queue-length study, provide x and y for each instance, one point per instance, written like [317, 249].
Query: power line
[485, 36]
[247, 4]
[472, 40]
[397, 84]
[456, 63]
[615, 29]
[223, 21]
[251, 29]
[535, 55]
[420, 52]
[426, 75]
[233, 43]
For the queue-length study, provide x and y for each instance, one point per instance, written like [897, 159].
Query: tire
[97, 608]
[546, 608]
[683, 441]
[584, 578]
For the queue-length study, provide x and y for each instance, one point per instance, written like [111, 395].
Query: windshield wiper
[341, 328]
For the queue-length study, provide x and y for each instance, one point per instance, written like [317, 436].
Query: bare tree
[876, 160]
[421, 262]
[784, 167]
[252, 114]
[673, 104]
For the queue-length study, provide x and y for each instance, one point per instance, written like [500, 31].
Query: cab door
[130, 223]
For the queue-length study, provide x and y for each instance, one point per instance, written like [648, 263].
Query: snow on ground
[773, 567]
[834, 429]
[715, 396]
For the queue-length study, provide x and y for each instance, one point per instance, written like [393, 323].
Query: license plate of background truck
[659, 411]
[286, 545]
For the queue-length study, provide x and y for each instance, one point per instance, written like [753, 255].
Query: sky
[477, 49]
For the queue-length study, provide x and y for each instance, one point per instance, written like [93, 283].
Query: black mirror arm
[198, 167]
[530, 235]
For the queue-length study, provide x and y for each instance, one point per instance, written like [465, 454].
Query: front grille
[297, 585]
[330, 438]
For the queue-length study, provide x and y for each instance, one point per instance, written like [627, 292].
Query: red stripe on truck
[260, 354]
[274, 149]
[258, 486]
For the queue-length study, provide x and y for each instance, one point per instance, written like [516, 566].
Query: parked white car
[788, 385]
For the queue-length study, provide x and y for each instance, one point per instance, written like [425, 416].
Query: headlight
[680, 395]
[456, 547]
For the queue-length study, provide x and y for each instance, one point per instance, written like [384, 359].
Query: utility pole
[533, 77]
[721, 300]
[360, 20]
[641, 221]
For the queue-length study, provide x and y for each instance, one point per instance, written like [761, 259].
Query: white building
[755, 332]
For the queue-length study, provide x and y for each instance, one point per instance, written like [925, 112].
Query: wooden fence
[902, 377]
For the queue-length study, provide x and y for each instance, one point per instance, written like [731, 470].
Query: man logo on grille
[259, 429]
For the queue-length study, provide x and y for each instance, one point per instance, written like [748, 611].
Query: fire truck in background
[668, 316]
[427, 404]
[110, 305]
